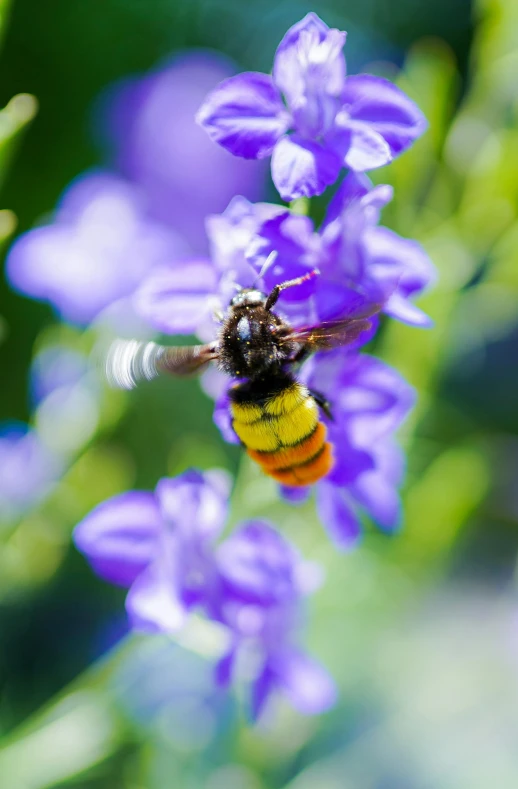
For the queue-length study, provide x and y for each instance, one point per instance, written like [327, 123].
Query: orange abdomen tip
[306, 473]
[286, 457]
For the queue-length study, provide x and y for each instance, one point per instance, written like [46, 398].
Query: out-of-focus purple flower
[368, 401]
[159, 146]
[28, 470]
[53, 368]
[328, 120]
[96, 252]
[263, 584]
[65, 390]
[170, 690]
[161, 546]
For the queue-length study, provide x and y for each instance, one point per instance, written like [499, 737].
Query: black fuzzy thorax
[259, 390]
[252, 345]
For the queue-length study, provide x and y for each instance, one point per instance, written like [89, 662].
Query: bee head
[248, 297]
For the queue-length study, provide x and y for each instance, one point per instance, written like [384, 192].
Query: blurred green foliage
[422, 661]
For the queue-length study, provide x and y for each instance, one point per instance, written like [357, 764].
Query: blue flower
[162, 546]
[328, 121]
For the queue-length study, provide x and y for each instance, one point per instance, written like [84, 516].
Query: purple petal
[245, 115]
[390, 254]
[380, 106]
[223, 419]
[364, 148]
[225, 669]
[195, 504]
[309, 68]
[152, 603]
[289, 239]
[372, 399]
[403, 310]
[337, 515]
[395, 262]
[307, 684]
[334, 300]
[214, 383]
[357, 189]
[350, 461]
[379, 497]
[302, 168]
[257, 564]
[262, 688]
[174, 299]
[120, 537]
[99, 248]
[291, 58]
[295, 495]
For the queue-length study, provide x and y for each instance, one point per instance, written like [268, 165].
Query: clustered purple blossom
[161, 546]
[131, 244]
[327, 120]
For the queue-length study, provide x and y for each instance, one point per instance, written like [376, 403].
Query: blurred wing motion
[131, 361]
[332, 334]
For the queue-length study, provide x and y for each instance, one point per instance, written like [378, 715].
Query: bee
[275, 416]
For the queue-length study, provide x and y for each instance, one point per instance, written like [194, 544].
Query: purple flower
[352, 254]
[96, 252]
[28, 470]
[328, 120]
[182, 297]
[159, 146]
[161, 545]
[374, 260]
[264, 245]
[263, 583]
[368, 401]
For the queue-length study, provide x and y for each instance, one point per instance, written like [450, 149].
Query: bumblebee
[276, 417]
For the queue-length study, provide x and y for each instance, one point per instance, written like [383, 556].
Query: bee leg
[276, 291]
[301, 355]
[324, 404]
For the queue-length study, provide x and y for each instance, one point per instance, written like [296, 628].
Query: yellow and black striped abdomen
[284, 434]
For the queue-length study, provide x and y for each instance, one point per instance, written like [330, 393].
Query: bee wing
[130, 361]
[332, 334]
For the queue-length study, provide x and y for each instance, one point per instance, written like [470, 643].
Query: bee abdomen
[285, 436]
